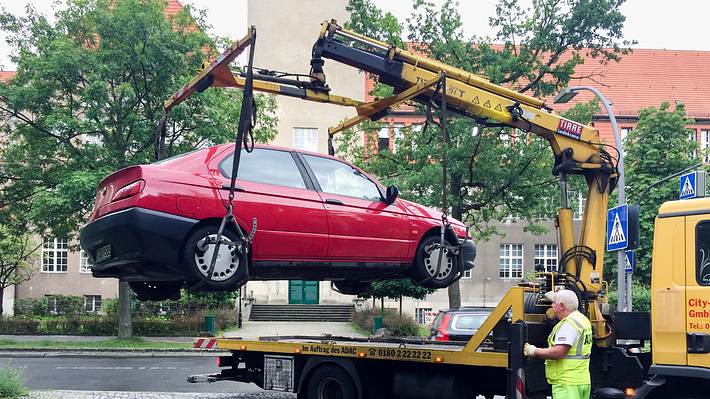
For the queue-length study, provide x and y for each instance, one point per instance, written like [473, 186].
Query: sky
[659, 24]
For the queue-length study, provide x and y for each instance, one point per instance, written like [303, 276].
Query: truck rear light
[441, 336]
[129, 190]
[225, 361]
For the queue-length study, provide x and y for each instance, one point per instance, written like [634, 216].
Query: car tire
[230, 271]
[348, 287]
[331, 382]
[425, 265]
[156, 290]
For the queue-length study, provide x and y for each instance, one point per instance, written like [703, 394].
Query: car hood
[419, 210]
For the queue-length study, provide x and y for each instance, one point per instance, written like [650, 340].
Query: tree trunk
[2, 298]
[382, 306]
[400, 307]
[125, 329]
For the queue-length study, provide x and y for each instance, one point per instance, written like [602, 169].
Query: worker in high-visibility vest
[568, 351]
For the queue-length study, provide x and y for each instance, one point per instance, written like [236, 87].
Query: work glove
[529, 350]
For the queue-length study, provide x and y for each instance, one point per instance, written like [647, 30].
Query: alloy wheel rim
[447, 264]
[227, 260]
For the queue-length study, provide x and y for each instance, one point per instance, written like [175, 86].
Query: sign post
[630, 261]
[692, 185]
[617, 238]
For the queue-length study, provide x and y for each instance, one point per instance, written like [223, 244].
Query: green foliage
[11, 383]
[658, 147]
[87, 96]
[110, 343]
[396, 289]
[400, 325]
[61, 305]
[640, 297]
[17, 247]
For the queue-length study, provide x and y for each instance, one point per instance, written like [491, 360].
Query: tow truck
[491, 362]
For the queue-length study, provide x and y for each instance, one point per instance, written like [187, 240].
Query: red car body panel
[293, 224]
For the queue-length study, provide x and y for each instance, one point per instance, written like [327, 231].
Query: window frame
[85, 263]
[511, 257]
[545, 256]
[705, 145]
[304, 130]
[92, 299]
[55, 250]
[420, 315]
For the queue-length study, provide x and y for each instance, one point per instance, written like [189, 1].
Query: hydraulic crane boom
[576, 147]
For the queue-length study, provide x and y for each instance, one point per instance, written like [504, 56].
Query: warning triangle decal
[688, 190]
[628, 262]
[617, 233]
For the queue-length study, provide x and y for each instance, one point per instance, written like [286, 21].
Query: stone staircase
[325, 313]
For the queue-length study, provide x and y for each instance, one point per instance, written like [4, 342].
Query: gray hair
[567, 298]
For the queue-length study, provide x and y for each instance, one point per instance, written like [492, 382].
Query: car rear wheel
[426, 261]
[349, 287]
[331, 382]
[229, 271]
[156, 290]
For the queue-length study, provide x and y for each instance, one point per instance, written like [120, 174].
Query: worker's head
[565, 302]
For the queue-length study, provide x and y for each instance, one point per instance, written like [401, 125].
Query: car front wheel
[426, 264]
[229, 270]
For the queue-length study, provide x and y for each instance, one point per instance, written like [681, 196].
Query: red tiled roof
[646, 78]
[6, 76]
[173, 7]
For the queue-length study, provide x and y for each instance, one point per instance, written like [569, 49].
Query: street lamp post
[485, 280]
[624, 283]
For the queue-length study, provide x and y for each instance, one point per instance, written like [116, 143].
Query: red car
[318, 218]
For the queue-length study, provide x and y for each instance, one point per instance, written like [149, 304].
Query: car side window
[337, 177]
[265, 166]
[702, 253]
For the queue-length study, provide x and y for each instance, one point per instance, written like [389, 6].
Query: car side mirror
[392, 194]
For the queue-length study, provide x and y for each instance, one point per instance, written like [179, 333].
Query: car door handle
[333, 201]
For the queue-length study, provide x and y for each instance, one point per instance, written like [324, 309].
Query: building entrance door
[302, 292]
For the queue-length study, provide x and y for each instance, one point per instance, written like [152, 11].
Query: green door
[303, 292]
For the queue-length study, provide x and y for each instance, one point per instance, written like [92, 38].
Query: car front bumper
[144, 245]
[468, 254]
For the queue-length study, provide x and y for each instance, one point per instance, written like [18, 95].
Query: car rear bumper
[468, 253]
[145, 245]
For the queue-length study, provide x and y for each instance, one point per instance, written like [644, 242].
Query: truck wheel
[331, 382]
[156, 290]
[425, 265]
[229, 271]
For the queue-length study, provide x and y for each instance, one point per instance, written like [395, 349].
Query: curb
[114, 353]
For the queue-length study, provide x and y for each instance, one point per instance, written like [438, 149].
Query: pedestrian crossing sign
[692, 185]
[617, 228]
[630, 257]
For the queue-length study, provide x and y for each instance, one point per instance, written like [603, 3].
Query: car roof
[467, 309]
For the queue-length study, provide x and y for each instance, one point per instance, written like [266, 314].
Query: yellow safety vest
[573, 369]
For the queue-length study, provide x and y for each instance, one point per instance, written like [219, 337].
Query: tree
[659, 146]
[493, 173]
[17, 249]
[88, 94]
[395, 289]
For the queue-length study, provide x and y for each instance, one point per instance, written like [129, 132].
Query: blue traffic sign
[692, 185]
[617, 228]
[630, 257]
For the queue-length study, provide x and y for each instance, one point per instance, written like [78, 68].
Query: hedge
[400, 326]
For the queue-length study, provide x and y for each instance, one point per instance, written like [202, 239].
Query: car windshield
[468, 321]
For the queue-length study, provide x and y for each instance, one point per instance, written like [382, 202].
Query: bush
[403, 326]
[640, 296]
[11, 384]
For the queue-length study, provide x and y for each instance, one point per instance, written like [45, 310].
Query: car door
[697, 276]
[274, 188]
[361, 225]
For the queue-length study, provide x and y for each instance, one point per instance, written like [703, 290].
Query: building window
[581, 205]
[511, 261]
[383, 138]
[92, 303]
[52, 306]
[705, 145]
[305, 138]
[545, 257]
[84, 262]
[54, 255]
[423, 315]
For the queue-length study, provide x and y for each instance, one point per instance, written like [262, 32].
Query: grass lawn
[109, 343]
